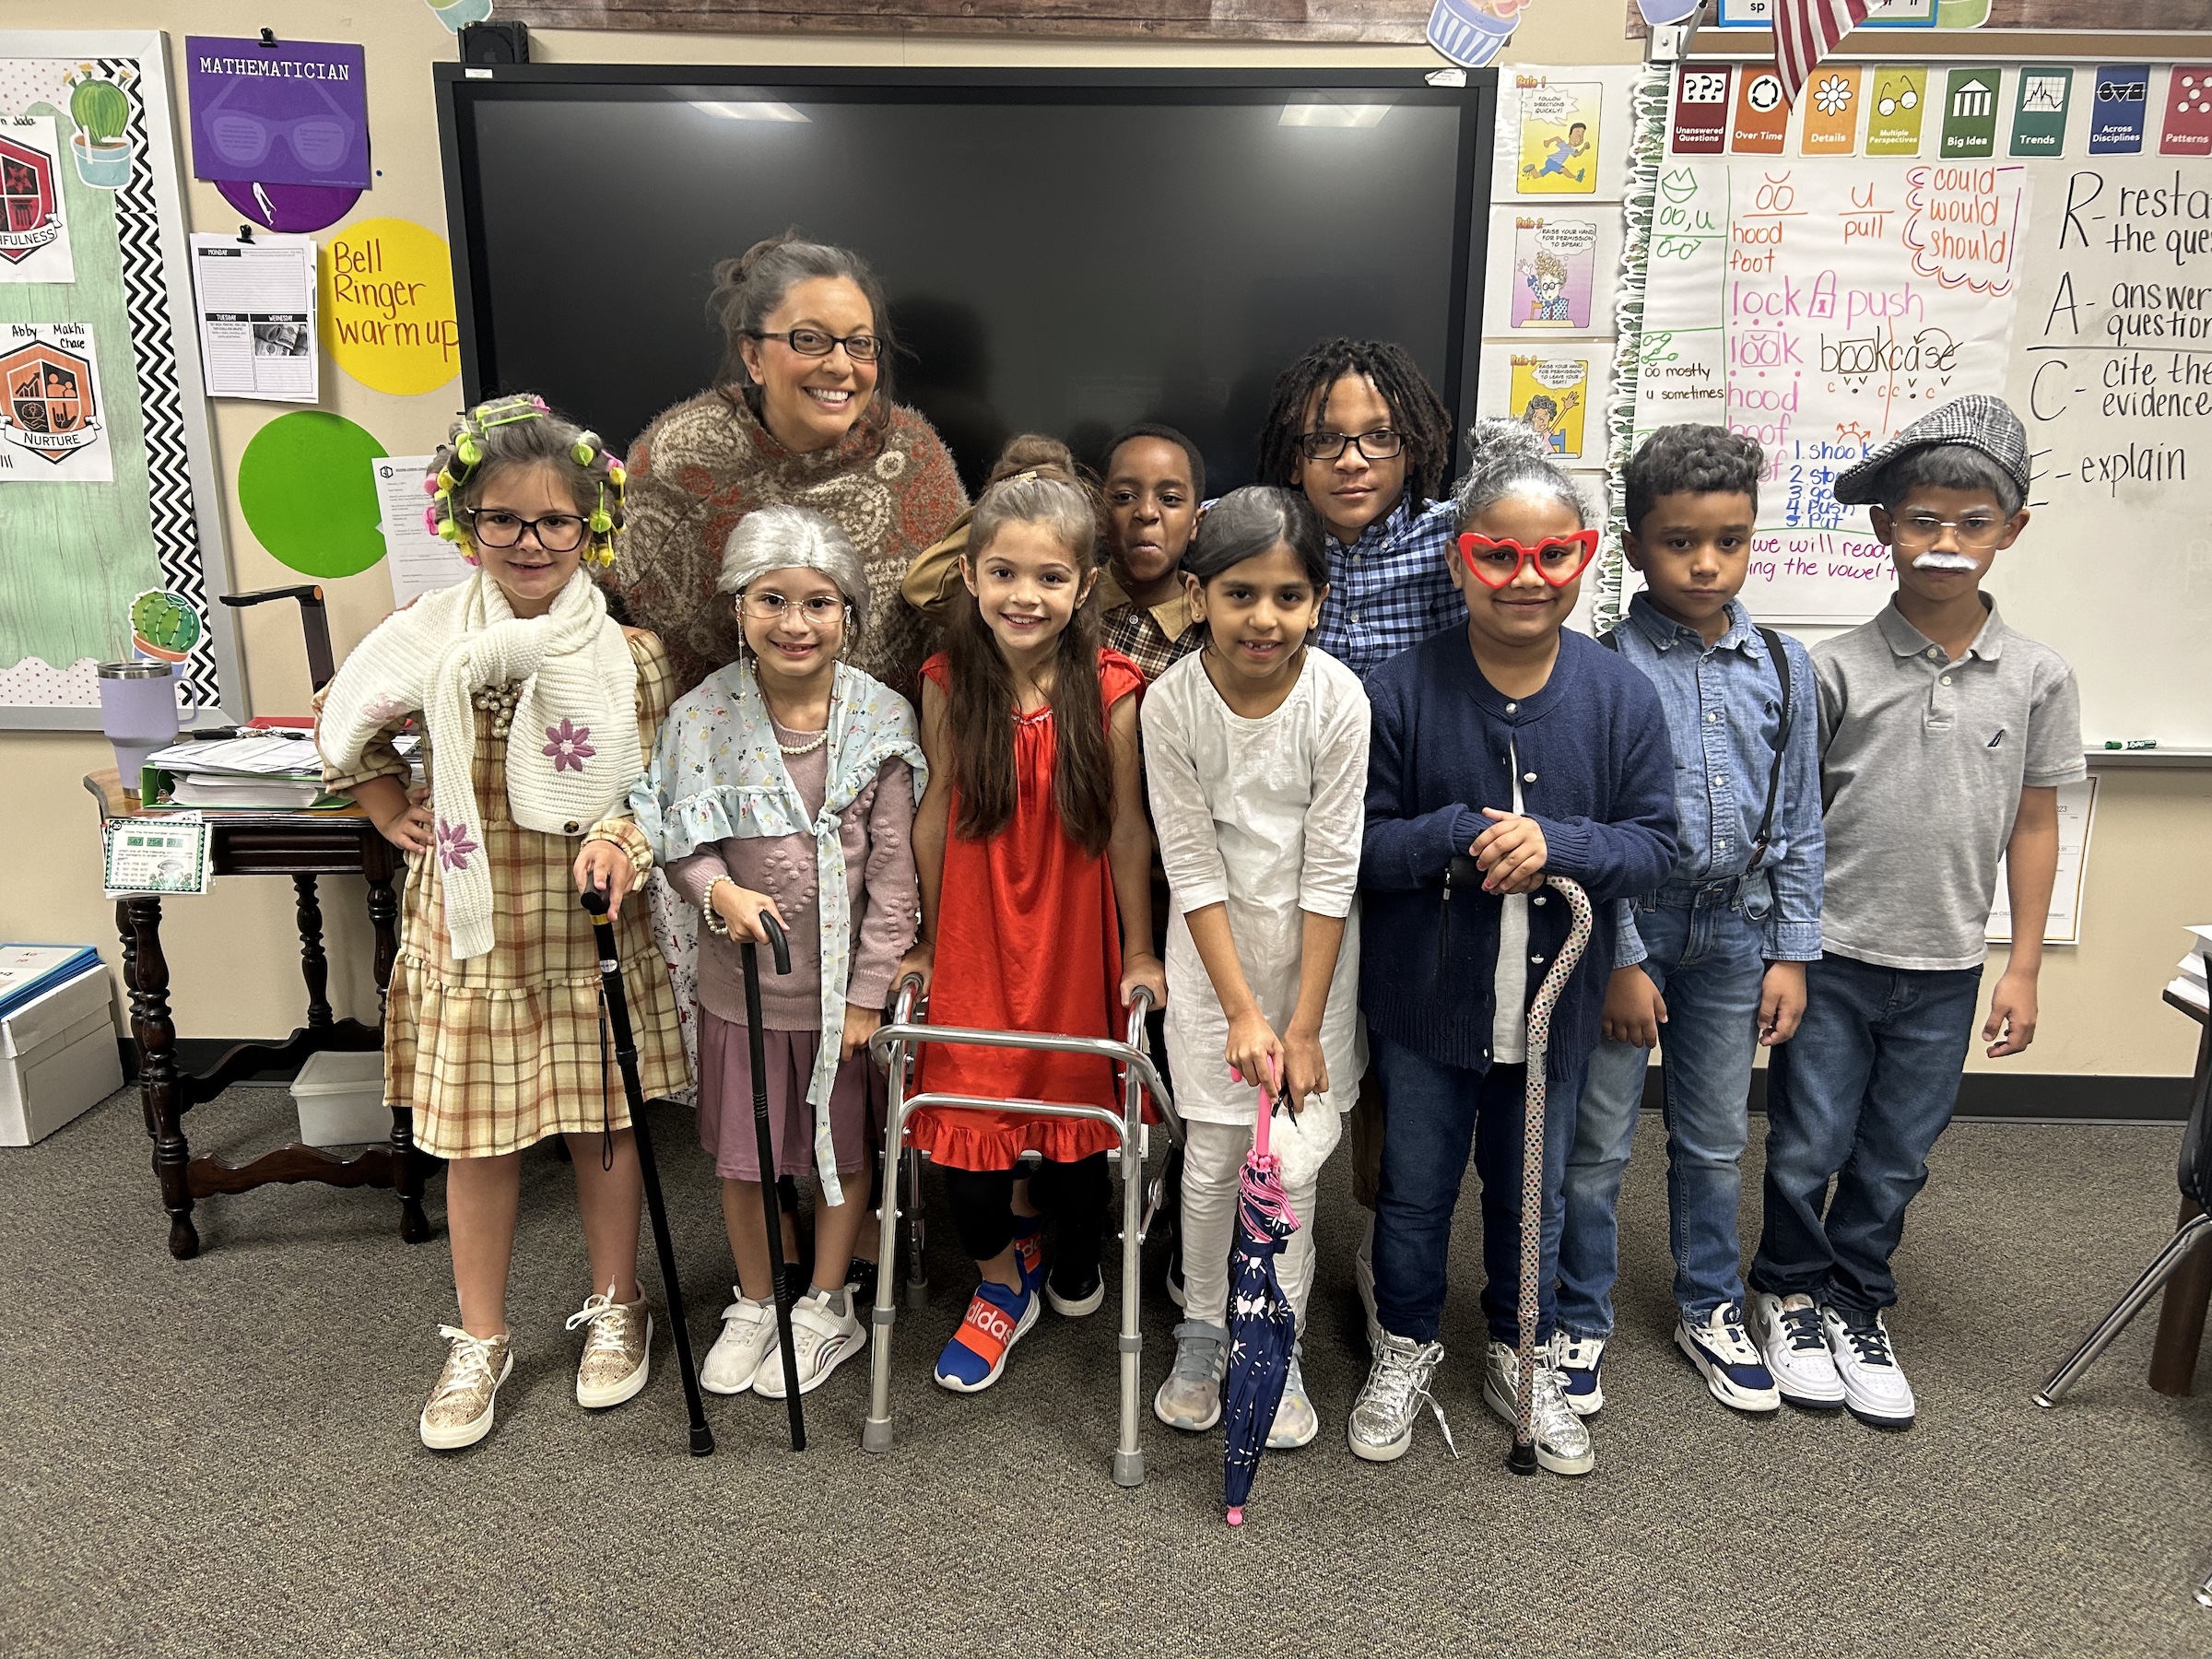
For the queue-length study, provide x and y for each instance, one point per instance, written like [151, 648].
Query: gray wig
[1506, 458]
[794, 538]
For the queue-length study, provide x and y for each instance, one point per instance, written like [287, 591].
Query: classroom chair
[2194, 1176]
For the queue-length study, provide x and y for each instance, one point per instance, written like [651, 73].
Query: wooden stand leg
[159, 1090]
[2181, 1319]
[410, 1169]
[314, 965]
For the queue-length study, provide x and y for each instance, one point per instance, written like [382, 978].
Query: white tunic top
[1264, 815]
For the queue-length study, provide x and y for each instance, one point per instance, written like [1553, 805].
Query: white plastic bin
[341, 1099]
[58, 1057]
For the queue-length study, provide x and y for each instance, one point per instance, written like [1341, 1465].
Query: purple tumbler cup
[138, 713]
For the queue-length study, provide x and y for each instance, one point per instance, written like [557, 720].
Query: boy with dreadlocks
[1356, 427]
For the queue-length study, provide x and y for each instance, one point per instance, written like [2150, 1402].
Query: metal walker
[896, 1045]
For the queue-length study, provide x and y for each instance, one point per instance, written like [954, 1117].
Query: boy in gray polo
[1944, 738]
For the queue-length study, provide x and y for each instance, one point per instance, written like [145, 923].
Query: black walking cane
[771, 1196]
[626, 1056]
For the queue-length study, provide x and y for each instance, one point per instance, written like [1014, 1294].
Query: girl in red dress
[1036, 901]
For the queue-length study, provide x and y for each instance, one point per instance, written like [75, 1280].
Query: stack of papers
[32, 970]
[273, 769]
[2189, 984]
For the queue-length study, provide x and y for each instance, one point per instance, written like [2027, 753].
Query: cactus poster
[51, 424]
[34, 227]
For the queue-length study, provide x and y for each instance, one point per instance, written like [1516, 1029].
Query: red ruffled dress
[1029, 939]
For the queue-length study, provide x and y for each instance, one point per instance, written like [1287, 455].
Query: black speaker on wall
[495, 43]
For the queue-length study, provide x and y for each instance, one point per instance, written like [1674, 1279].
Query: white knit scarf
[573, 750]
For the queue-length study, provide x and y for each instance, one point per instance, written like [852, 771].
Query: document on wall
[419, 561]
[256, 306]
[2077, 810]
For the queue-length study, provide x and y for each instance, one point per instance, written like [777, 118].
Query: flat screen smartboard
[1063, 252]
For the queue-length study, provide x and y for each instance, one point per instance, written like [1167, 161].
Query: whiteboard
[2076, 284]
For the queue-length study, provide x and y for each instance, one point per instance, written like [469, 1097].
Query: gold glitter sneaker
[617, 1350]
[459, 1411]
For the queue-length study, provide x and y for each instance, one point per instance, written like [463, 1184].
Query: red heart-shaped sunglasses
[1559, 559]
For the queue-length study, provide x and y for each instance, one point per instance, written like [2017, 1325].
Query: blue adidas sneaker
[1576, 1358]
[997, 1318]
[1728, 1359]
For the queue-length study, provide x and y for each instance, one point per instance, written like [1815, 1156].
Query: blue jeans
[1859, 1095]
[1707, 958]
[1434, 1113]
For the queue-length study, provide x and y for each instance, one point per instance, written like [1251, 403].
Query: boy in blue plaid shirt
[1356, 427]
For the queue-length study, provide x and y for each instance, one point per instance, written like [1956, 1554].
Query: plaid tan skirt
[501, 1051]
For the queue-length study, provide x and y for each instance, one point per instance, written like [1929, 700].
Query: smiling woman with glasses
[801, 413]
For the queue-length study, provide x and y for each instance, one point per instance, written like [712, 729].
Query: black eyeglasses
[816, 342]
[557, 532]
[1378, 445]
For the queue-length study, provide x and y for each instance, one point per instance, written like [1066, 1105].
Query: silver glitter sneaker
[1562, 1438]
[459, 1410]
[1191, 1397]
[1381, 1427]
[617, 1353]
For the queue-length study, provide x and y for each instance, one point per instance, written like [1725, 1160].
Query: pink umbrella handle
[1259, 1138]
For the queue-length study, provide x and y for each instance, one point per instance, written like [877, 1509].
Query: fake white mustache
[1943, 561]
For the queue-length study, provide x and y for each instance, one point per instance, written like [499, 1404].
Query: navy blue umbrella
[1261, 1327]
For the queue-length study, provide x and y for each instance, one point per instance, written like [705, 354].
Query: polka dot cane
[1524, 1458]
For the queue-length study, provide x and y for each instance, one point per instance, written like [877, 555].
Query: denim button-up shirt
[1724, 715]
[1392, 588]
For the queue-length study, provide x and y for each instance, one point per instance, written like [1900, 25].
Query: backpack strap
[1781, 743]
[1608, 642]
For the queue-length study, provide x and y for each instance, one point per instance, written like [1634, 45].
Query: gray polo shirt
[1921, 765]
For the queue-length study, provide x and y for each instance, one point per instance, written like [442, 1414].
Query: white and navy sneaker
[1728, 1359]
[1576, 1358]
[1787, 1329]
[1875, 1390]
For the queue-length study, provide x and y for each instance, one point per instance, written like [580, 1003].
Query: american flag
[1805, 31]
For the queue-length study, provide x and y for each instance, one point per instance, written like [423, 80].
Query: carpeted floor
[218, 1456]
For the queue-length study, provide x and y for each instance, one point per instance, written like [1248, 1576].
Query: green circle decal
[309, 496]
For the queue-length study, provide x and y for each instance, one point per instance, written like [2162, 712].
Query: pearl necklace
[813, 742]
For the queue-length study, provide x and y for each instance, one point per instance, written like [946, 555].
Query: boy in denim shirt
[1944, 738]
[1716, 956]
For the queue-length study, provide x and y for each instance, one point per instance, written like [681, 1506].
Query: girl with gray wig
[796, 538]
[784, 785]
[1507, 458]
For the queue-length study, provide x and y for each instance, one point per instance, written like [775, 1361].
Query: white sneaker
[748, 1336]
[1875, 1389]
[1576, 1358]
[1296, 1422]
[823, 1337]
[1728, 1359]
[1190, 1397]
[1787, 1330]
[1563, 1440]
[1363, 1276]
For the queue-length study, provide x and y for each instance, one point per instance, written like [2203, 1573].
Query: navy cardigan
[1597, 775]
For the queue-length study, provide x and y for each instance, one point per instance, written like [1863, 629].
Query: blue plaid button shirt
[1392, 588]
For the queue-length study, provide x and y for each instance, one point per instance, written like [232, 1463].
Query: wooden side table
[302, 846]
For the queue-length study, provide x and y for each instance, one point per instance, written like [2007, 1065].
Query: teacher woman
[801, 411]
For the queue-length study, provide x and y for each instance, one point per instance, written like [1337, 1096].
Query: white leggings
[1213, 1158]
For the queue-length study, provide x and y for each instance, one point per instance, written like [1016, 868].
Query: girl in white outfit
[1255, 749]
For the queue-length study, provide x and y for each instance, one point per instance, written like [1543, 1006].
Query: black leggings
[1074, 1197]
